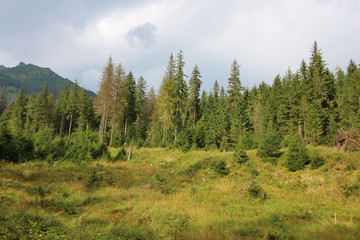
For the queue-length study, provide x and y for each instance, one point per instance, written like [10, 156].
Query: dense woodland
[306, 106]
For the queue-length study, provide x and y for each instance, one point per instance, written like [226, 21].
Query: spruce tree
[105, 100]
[194, 95]
[297, 155]
[3, 100]
[18, 113]
[72, 107]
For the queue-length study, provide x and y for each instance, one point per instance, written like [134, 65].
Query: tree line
[311, 102]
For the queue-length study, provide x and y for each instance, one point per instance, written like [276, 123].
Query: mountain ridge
[33, 78]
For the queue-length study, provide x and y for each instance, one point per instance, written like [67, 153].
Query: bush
[256, 191]
[269, 147]
[297, 155]
[240, 156]
[219, 167]
[350, 167]
[8, 148]
[317, 162]
[162, 183]
[120, 156]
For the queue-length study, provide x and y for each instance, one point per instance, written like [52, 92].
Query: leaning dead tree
[347, 140]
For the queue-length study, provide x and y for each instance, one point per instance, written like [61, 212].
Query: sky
[76, 37]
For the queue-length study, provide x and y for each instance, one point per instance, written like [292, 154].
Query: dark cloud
[142, 35]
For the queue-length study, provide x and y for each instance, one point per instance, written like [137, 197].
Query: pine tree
[3, 100]
[41, 109]
[234, 85]
[85, 111]
[18, 113]
[181, 94]
[297, 155]
[60, 110]
[166, 103]
[119, 105]
[105, 99]
[72, 107]
[194, 95]
[130, 104]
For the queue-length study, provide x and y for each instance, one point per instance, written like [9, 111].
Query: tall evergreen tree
[18, 113]
[194, 95]
[72, 106]
[3, 100]
[105, 99]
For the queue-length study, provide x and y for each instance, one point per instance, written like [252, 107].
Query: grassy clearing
[168, 194]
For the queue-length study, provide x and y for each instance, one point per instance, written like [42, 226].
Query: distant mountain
[33, 78]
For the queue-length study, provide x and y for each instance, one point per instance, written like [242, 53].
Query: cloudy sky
[75, 37]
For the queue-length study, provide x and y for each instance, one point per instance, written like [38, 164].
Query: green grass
[169, 194]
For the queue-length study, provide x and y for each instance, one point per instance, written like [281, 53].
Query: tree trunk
[112, 132]
[130, 152]
[62, 124]
[163, 139]
[71, 117]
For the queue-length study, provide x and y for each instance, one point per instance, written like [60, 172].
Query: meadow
[169, 194]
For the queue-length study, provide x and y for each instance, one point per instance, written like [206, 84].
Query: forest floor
[169, 194]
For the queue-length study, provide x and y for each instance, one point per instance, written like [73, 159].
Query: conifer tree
[30, 106]
[119, 105]
[105, 99]
[18, 113]
[3, 100]
[72, 106]
[41, 109]
[194, 95]
[60, 110]
[181, 94]
[166, 103]
[297, 155]
[130, 104]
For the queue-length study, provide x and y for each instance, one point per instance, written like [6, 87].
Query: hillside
[32, 78]
[169, 194]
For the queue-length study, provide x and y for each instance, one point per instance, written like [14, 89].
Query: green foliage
[32, 78]
[194, 168]
[162, 182]
[240, 156]
[351, 189]
[269, 147]
[219, 167]
[94, 180]
[8, 146]
[317, 161]
[350, 167]
[256, 191]
[127, 231]
[297, 155]
[120, 156]
[27, 225]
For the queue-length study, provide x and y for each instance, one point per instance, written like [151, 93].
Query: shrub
[256, 191]
[269, 147]
[297, 155]
[162, 183]
[194, 168]
[219, 167]
[350, 190]
[317, 162]
[254, 173]
[240, 156]
[121, 155]
[350, 167]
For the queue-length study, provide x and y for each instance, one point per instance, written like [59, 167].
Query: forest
[311, 103]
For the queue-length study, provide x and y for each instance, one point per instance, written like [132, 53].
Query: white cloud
[264, 36]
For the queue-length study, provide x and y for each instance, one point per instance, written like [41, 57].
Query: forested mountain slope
[32, 78]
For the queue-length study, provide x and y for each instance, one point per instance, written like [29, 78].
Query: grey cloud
[142, 35]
